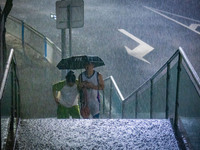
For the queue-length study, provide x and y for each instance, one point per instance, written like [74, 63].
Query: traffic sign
[69, 10]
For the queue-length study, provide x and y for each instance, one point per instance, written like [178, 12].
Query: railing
[172, 92]
[31, 47]
[111, 107]
[9, 103]
[34, 39]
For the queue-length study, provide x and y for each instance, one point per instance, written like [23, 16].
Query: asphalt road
[110, 26]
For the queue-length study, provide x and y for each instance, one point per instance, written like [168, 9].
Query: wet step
[192, 130]
[102, 134]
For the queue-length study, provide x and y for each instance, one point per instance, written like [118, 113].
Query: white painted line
[172, 20]
[187, 18]
[141, 50]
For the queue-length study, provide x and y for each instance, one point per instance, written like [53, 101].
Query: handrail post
[45, 47]
[69, 17]
[12, 100]
[17, 97]
[122, 109]
[2, 55]
[23, 35]
[151, 100]
[177, 90]
[110, 110]
[15, 100]
[23, 38]
[18, 103]
[136, 105]
[167, 92]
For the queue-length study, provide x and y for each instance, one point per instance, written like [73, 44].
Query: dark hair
[70, 77]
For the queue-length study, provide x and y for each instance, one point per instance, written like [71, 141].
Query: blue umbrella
[79, 62]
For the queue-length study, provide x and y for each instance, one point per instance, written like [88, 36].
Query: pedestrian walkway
[102, 134]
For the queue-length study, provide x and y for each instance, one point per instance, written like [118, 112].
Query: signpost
[69, 11]
[69, 14]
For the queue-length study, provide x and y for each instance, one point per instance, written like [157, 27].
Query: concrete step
[57, 134]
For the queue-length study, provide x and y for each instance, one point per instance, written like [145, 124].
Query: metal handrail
[34, 30]
[15, 96]
[116, 86]
[190, 67]
[46, 40]
[3, 83]
[146, 82]
[155, 75]
[179, 51]
[182, 56]
[6, 73]
[26, 25]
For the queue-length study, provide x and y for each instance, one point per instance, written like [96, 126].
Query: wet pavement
[95, 134]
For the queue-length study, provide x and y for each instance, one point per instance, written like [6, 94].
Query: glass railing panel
[116, 104]
[172, 90]
[6, 99]
[52, 53]
[189, 98]
[189, 112]
[14, 27]
[105, 99]
[111, 102]
[6, 110]
[143, 102]
[36, 41]
[129, 110]
[22, 31]
[159, 95]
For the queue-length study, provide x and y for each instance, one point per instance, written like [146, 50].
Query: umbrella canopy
[79, 62]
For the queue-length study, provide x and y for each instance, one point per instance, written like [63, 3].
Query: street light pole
[70, 29]
[64, 49]
[63, 36]
[63, 39]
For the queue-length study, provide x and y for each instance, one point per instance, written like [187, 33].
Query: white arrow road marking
[141, 50]
[194, 26]
[158, 12]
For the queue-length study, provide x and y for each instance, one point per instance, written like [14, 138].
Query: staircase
[173, 92]
[93, 134]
